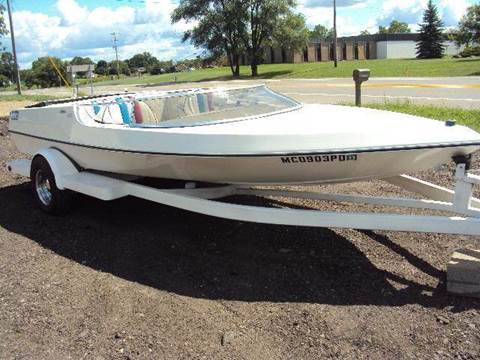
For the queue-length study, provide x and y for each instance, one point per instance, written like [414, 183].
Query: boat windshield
[193, 107]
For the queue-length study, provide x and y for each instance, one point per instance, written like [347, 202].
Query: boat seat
[155, 111]
[143, 114]
[151, 111]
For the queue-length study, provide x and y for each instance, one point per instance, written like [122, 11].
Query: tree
[195, 62]
[4, 81]
[263, 17]
[396, 27]
[291, 33]
[28, 78]
[469, 27]
[145, 60]
[430, 40]
[122, 65]
[321, 32]
[166, 65]
[157, 70]
[44, 73]
[3, 26]
[235, 27]
[101, 68]
[78, 60]
[220, 27]
[7, 66]
[364, 32]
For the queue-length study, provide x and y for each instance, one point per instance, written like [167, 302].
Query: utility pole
[14, 49]
[335, 57]
[115, 47]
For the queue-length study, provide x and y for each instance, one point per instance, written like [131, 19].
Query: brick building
[362, 47]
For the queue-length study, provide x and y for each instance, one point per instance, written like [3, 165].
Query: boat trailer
[465, 209]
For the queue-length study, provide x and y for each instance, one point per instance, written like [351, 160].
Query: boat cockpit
[183, 107]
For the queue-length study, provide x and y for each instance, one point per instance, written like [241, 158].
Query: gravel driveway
[131, 279]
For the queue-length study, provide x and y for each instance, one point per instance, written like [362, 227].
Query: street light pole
[335, 57]
[14, 49]
[115, 47]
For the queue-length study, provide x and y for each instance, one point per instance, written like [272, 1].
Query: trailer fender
[60, 164]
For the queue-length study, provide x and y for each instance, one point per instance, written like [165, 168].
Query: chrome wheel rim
[43, 188]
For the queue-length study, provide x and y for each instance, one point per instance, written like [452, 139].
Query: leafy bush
[470, 51]
[29, 79]
[4, 81]
[157, 70]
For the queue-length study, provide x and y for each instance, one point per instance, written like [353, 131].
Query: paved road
[453, 91]
[450, 91]
[456, 92]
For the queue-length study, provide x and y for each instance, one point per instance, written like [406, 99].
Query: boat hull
[274, 169]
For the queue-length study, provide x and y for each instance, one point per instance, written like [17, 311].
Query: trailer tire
[48, 196]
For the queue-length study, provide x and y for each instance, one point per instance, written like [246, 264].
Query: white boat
[248, 135]
[239, 137]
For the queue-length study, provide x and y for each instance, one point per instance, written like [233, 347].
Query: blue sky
[67, 28]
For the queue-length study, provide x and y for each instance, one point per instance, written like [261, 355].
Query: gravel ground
[131, 279]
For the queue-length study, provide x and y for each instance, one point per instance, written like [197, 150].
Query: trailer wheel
[49, 198]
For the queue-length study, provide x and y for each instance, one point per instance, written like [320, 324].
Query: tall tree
[263, 18]
[321, 32]
[78, 60]
[122, 66]
[469, 27]
[3, 26]
[220, 27]
[7, 66]
[291, 34]
[44, 74]
[29, 78]
[145, 60]
[430, 40]
[101, 68]
[396, 27]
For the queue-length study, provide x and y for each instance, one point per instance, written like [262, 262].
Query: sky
[68, 28]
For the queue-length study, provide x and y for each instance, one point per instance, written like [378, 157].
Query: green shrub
[4, 81]
[157, 70]
[470, 51]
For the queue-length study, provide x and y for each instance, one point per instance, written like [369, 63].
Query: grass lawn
[469, 118]
[13, 102]
[379, 68]
[32, 98]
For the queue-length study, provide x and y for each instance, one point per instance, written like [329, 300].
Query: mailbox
[361, 75]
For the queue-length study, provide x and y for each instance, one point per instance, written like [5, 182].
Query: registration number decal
[318, 158]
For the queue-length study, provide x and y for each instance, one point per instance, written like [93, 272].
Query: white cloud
[411, 11]
[346, 25]
[452, 11]
[71, 12]
[78, 31]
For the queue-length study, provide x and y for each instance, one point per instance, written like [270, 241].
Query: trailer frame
[465, 209]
